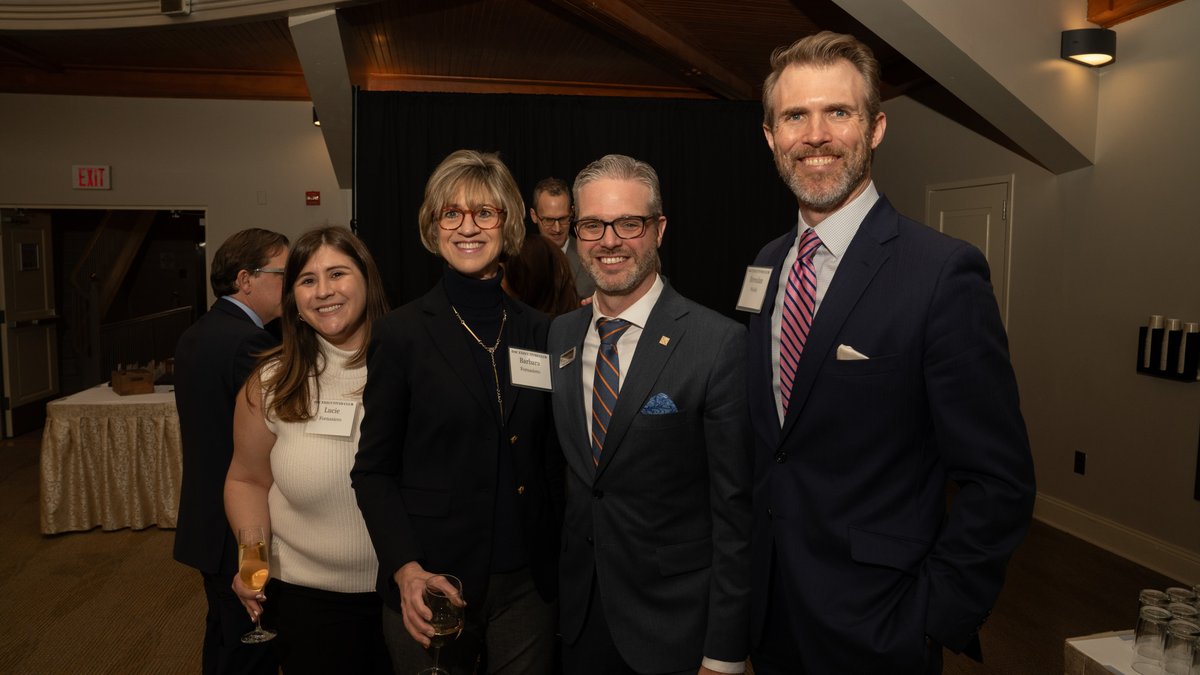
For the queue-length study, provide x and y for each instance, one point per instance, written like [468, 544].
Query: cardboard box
[1099, 654]
[137, 381]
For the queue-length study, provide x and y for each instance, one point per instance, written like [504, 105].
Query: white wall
[224, 157]
[1093, 253]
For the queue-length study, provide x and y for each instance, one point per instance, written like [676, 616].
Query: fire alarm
[312, 198]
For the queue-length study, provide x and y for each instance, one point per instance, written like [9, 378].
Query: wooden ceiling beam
[630, 22]
[1108, 13]
[154, 83]
[491, 85]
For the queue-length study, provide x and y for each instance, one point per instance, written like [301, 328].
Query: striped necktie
[606, 382]
[799, 305]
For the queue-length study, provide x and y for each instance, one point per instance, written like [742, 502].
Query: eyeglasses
[554, 222]
[625, 227]
[485, 217]
[269, 270]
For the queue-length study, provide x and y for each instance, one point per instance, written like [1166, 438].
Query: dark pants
[514, 625]
[594, 652]
[322, 632]
[224, 626]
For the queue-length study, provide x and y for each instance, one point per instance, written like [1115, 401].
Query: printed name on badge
[333, 418]
[529, 369]
[754, 289]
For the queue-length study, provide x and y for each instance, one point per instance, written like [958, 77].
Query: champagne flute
[443, 596]
[254, 567]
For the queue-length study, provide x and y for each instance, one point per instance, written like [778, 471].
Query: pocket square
[848, 353]
[659, 404]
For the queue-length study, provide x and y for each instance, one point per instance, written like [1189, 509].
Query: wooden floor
[116, 603]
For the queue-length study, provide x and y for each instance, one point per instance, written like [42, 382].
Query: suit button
[597, 494]
[513, 440]
[589, 541]
[781, 457]
[769, 513]
[520, 489]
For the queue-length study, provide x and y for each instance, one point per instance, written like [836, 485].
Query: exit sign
[91, 177]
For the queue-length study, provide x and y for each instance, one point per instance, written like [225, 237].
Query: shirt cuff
[724, 666]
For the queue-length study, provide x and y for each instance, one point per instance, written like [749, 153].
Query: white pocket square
[848, 353]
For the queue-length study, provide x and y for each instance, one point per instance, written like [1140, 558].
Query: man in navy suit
[649, 403]
[212, 360]
[878, 372]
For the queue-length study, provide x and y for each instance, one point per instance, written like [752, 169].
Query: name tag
[754, 289]
[333, 418]
[529, 369]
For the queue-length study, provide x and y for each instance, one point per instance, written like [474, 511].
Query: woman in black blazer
[458, 471]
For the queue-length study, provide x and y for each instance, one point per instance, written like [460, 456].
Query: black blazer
[213, 358]
[425, 472]
[850, 493]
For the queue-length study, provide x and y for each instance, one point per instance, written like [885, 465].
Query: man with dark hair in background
[212, 360]
[551, 211]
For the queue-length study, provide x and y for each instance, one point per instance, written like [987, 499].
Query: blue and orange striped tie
[799, 306]
[606, 382]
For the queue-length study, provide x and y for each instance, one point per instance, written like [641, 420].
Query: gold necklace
[491, 351]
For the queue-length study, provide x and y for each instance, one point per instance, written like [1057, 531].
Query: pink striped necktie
[799, 305]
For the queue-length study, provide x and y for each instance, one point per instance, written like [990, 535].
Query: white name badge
[754, 289]
[333, 418]
[529, 369]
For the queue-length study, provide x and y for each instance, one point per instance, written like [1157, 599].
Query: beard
[624, 283]
[824, 194]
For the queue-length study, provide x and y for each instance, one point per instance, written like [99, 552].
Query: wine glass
[254, 568]
[443, 596]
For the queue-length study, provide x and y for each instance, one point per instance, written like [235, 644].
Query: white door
[979, 215]
[29, 335]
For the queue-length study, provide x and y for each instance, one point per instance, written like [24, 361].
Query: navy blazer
[850, 493]
[213, 358]
[425, 475]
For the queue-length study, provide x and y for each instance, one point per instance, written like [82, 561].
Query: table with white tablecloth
[111, 461]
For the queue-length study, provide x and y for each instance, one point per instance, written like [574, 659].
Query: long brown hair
[299, 356]
[540, 276]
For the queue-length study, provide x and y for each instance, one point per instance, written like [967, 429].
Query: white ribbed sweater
[319, 539]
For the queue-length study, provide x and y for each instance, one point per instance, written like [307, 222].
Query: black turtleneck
[480, 303]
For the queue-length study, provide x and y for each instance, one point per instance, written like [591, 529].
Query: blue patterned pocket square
[659, 404]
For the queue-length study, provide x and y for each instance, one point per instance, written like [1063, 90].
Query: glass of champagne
[254, 568]
[443, 596]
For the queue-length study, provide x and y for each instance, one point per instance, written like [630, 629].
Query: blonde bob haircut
[483, 179]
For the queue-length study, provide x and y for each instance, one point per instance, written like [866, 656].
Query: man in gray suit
[650, 404]
[551, 212]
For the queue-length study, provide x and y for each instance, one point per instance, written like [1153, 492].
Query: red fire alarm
[312, 198]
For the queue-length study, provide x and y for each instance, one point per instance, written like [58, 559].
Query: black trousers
[224, 625]
[594, 652]
[322, 632]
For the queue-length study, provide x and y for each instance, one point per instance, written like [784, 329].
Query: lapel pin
[664, 340]
[566, 358]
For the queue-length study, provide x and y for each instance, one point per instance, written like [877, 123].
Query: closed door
[29, 335]
[977, 214]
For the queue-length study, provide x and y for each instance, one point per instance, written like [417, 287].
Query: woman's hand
[250, 599]
[411, 580]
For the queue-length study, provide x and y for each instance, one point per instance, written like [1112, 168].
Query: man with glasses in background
[213, 358]
[649, 404]
[551, 212]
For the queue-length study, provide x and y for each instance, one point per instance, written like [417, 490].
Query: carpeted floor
[117, 603]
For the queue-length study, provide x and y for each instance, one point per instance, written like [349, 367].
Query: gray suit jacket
[663, 523]
[584, 284]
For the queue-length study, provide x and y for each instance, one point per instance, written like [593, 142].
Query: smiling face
[469, 250]
[624, 269]
[331, 296]
[821, 136]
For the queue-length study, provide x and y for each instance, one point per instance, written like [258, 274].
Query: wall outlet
[1080, 462]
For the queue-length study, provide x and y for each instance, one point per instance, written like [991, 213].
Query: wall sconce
[1093, 47]
[316, 120]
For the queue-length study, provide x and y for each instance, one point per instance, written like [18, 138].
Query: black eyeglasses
[485, 217]
[269, 270]
[554, 222]
[625, 227]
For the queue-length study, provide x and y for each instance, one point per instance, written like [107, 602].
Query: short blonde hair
[484, 179]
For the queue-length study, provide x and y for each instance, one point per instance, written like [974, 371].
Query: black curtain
[721, 194]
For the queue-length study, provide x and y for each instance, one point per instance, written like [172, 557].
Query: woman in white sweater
[295, 435]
